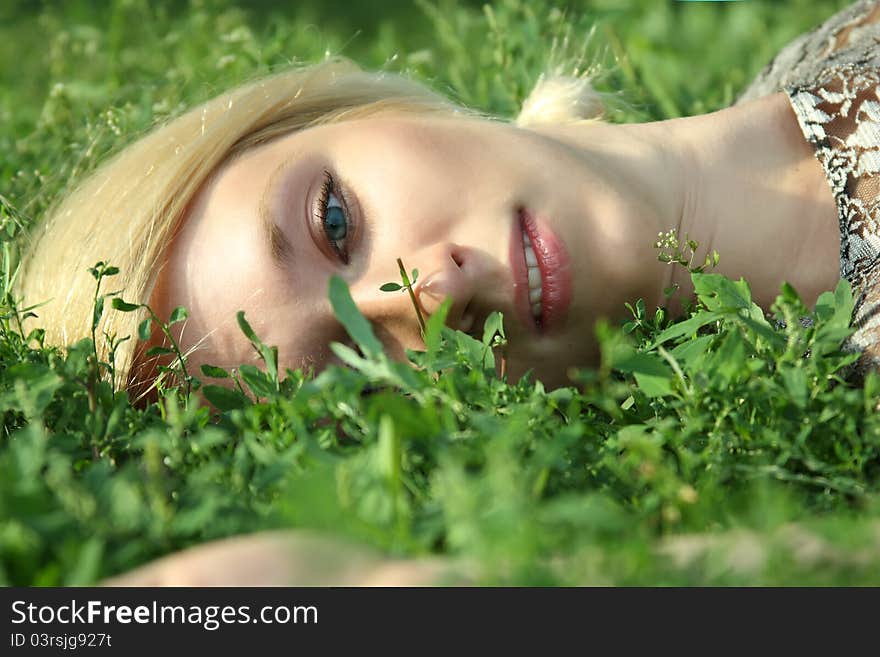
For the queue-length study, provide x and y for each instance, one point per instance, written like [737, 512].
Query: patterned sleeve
[832, 79]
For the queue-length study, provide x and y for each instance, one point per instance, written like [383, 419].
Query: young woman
[253, 200]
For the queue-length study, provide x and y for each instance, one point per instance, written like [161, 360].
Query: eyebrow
[279, 246]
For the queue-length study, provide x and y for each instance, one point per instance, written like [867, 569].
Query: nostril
[456, 258]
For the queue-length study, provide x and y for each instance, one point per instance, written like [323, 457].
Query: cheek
[419, 173]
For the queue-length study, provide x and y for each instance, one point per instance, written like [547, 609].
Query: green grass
[720, 450]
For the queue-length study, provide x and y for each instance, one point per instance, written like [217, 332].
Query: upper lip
[553, 264]
[475, 313]
[521, 304]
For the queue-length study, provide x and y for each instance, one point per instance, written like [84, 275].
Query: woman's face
[450, 197]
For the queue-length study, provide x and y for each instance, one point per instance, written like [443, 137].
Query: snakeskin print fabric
[832, 78]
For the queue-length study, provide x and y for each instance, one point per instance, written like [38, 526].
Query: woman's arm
[290, 558]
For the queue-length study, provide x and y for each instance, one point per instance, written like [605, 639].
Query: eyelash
[327, 187]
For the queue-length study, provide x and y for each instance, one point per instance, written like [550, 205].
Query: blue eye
[335, 221]
[333, 217]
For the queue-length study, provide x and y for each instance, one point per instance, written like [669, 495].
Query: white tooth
[536, 309]
[526, 239]
[534, 277]
[535, 295]
[531, 259]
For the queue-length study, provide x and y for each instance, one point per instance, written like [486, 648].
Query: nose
[445, 270]
[448, 277]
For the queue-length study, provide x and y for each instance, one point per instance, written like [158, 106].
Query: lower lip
[555, 268]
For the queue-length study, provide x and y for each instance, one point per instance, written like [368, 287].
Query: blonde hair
[559, 98]
[127, 211]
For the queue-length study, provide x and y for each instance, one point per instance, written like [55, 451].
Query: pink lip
[555, 268]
